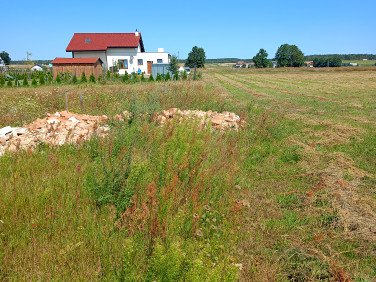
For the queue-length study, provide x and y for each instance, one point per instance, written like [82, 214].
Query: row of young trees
[67, 78]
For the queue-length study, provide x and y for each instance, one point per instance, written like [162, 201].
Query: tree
[261, 60]
[41, 79]
[92, 78]
[25, 82]
[289, 56]
[34, 82]
[322, 62]
[83, 77]
[125, 77]
[176, 75]
[335, 61]
[173, 66]
[5, 56]
[58, 79]
[196, 58]
[167, 76]
[184, 76]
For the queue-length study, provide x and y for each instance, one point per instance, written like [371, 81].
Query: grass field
[291, 196]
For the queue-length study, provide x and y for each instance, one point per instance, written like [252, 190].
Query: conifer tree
[184, 76]
[151, 78]
[25, 82]
[125, 77]
[159, 77]
[34, 82]
[167, 76]
[176, 75]
[58, 79]
[92, 78]
[2, 81]
[41, 80]
[9, 84]
[74, 79]
[83, 78]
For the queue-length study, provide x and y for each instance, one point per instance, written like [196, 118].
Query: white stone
[5, 130]
[73, 119]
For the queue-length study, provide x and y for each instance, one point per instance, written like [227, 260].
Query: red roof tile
[102, 41]
[75, 61]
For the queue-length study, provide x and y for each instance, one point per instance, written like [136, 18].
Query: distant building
[310, 64]
[122, 51]
[37, 68]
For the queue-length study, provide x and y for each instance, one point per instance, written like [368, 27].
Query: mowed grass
[182, 203]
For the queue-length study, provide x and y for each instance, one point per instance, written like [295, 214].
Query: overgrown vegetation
[184, 203]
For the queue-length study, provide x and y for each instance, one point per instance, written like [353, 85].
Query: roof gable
[102, 41]
[76, 61]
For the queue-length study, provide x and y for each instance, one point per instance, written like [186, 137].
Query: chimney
[137, 33]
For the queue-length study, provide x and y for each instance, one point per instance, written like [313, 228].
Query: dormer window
[87, 40]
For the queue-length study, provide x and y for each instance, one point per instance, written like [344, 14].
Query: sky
[225, 29]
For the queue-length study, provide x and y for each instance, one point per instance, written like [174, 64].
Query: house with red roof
[120, 51]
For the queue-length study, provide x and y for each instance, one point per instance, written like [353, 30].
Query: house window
[140, 62]
[159, 61]
[123, 64]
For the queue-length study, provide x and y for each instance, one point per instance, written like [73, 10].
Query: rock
[5, 130]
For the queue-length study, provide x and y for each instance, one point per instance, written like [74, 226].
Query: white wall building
[123, 49]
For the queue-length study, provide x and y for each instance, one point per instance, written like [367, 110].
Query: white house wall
[130, 54]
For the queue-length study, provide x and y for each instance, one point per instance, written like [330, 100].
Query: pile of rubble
[56, 129]
[222, 120]
[69, 128]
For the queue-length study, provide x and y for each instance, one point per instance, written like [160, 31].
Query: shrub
[92, 78]
[151, 78]
[9, 84]
[58, 79]
[49, 79]
[184, 76]
[100, 77]
[167, 76]
[34, 82]
[142, 78]
[176, 75]
[83, 78]
[74, 79]
[108, 75]
[159, 77]
[25, 82]
[41, 80]
[2, 81]
[125, 77]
